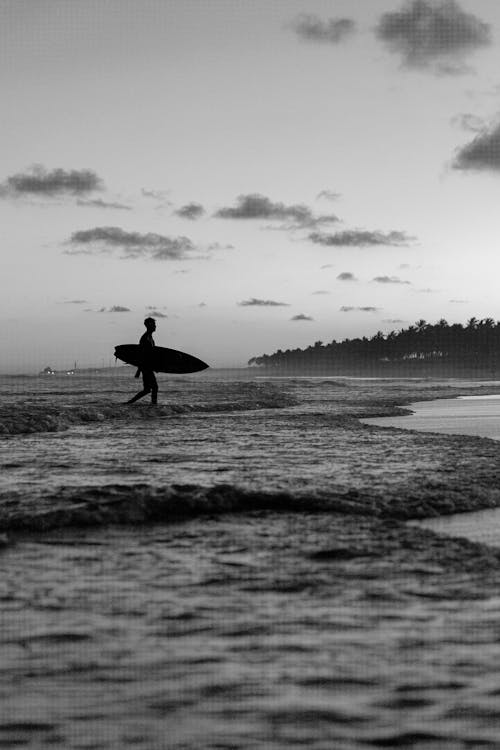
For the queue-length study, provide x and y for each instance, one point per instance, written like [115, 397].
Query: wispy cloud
[310, 27]
[75, 302]
[433, 35]
[38, 181]
[157, 195]
[190, 211]
[482, 153]
[349, 308]
[361, 238]
[301, 316]
[131, 244]
[157, 313]
[328, 195]
[257, 206]
[115, 309]
[321, 291]
[459, 301]
[346, 276]
[394, 321]
[218, 246]
[470, 122]
[160, 196]
[99, 203]
[254, 302]
[390, 280]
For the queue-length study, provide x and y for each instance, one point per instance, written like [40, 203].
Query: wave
[143, 503]
[18, 419]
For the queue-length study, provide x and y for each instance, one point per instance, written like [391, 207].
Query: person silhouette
[148, 377]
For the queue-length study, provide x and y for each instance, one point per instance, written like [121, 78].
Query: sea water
[208, 629]
[465, 415]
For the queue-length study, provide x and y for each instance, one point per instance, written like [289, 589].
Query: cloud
[321, 219]
[433, 35]
[156, 313]
[40, 182]
[75, 302]
[99, 203]
[349, 308]
[321, 291]
[482, 153]
[253, 302]
[218, 246]
[393, 320]
[301, 316]
[328, 195]
[313, 29]
[361, 238]
[115, 309]
[257, 206]
[190, 211]
[327, 265]
[467, 121]
[160, 196]
[157, 195]
[346, 276]
[459, 301]
[389, 280]
[132, 244]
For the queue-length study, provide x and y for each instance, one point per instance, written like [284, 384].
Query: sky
[255, 175]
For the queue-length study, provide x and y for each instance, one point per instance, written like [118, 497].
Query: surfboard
[160, 360]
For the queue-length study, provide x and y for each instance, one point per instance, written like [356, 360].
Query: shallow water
[465, 415]
[254, 629]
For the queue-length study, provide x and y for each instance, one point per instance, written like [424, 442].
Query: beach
[234, 568]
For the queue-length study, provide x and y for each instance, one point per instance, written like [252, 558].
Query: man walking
[148, 377]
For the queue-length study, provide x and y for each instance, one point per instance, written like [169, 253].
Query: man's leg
[154, 389]
[141, 394]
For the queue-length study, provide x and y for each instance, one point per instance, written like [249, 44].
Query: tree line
[475, 345]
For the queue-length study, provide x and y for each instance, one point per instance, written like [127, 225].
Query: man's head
[150, 324]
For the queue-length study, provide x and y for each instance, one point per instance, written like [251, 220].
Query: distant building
[51, 371]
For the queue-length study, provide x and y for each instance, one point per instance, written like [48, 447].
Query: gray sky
[260, 174]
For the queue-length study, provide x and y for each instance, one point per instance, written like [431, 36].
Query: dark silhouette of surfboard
[161, 359]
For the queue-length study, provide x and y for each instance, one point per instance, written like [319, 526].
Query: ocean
[233, 568]
[465, 415]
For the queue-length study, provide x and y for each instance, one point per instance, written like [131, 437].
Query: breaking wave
[143, 503]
